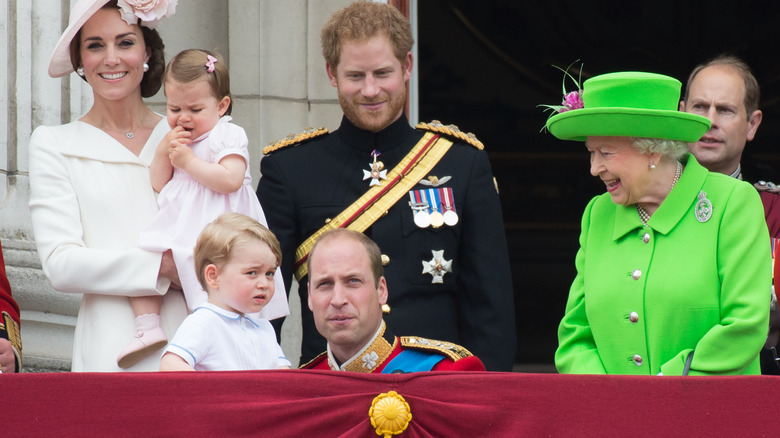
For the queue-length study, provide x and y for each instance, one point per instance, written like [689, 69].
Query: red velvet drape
[327, 404]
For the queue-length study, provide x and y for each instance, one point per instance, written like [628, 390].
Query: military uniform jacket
[9, 315]
[646, 296]
[305, 185]
[388, 354]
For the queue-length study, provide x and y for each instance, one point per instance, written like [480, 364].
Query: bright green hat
[629, 104]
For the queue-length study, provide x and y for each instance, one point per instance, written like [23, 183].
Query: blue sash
[411, 361]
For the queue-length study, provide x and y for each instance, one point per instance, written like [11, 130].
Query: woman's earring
[80, 71]
[652, 166]
[146, 67]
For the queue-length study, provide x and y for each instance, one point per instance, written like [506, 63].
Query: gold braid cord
[451, 131]
[292, 139]
[378, 199]
[453, 351]
[390, 414]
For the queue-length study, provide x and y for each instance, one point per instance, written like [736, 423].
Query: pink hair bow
[210, 63]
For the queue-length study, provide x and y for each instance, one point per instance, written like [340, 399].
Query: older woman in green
[673, 270]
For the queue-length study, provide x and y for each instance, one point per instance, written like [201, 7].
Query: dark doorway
[486, 65]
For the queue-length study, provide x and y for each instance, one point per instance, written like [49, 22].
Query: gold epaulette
[307, 134]
[452, 132]
[453, 351]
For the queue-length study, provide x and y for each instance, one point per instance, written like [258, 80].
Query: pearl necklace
[644, 216]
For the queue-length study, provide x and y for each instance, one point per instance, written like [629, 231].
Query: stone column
[279, 87]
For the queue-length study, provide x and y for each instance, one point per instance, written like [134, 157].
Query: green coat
[646, 296]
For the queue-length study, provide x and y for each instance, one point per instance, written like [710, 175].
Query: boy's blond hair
[219, 238]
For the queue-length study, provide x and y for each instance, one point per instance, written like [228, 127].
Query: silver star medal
[437, 266]
[377, 170]
[703, 210]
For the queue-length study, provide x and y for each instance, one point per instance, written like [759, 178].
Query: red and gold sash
[378, 199]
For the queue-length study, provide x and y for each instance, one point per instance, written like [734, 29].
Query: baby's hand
[180, 154]
[177, 135]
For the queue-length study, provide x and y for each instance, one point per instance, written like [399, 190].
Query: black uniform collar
[367, 141]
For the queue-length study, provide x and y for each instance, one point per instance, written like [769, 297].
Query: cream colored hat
[150, 12]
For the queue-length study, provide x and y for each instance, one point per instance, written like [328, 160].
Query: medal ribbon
[446, 193]
[418, 199]
[378, 199]
[433, 200]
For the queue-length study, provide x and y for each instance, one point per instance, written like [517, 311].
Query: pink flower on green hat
[149, 11]
[571, 101]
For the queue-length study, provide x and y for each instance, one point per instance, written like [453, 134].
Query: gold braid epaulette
[307, 134]
[452, 132]
[453, 351]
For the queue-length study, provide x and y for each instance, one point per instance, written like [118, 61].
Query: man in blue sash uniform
[346, 294]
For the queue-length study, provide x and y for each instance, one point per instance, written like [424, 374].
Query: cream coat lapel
[98, 145]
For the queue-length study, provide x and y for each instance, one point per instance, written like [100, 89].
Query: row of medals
[423, 218]
[430, 213]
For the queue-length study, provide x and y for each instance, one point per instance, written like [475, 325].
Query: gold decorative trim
[390, 414]
[307, 134]
[453, 351]
[316, 359]
[451, 131]
[373, 355]
[11, 329]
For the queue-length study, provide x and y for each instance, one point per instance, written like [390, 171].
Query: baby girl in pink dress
[201, 169]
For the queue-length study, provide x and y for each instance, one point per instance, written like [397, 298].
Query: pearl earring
[652, 166]
[146, 67]
[80, 71]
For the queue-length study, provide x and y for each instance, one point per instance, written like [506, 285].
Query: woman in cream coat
[90, 187]
[673, 271]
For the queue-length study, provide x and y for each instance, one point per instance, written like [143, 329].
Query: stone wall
[279, 87]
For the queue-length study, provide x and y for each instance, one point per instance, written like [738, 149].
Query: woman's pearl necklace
[643, 215]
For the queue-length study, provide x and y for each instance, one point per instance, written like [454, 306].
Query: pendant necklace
[129, 134]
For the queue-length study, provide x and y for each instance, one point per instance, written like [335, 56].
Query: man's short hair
[372, 249]
[752, 90]
[361, 21]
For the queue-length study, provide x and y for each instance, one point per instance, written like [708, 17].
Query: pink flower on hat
[571, 101]
[149, 11]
